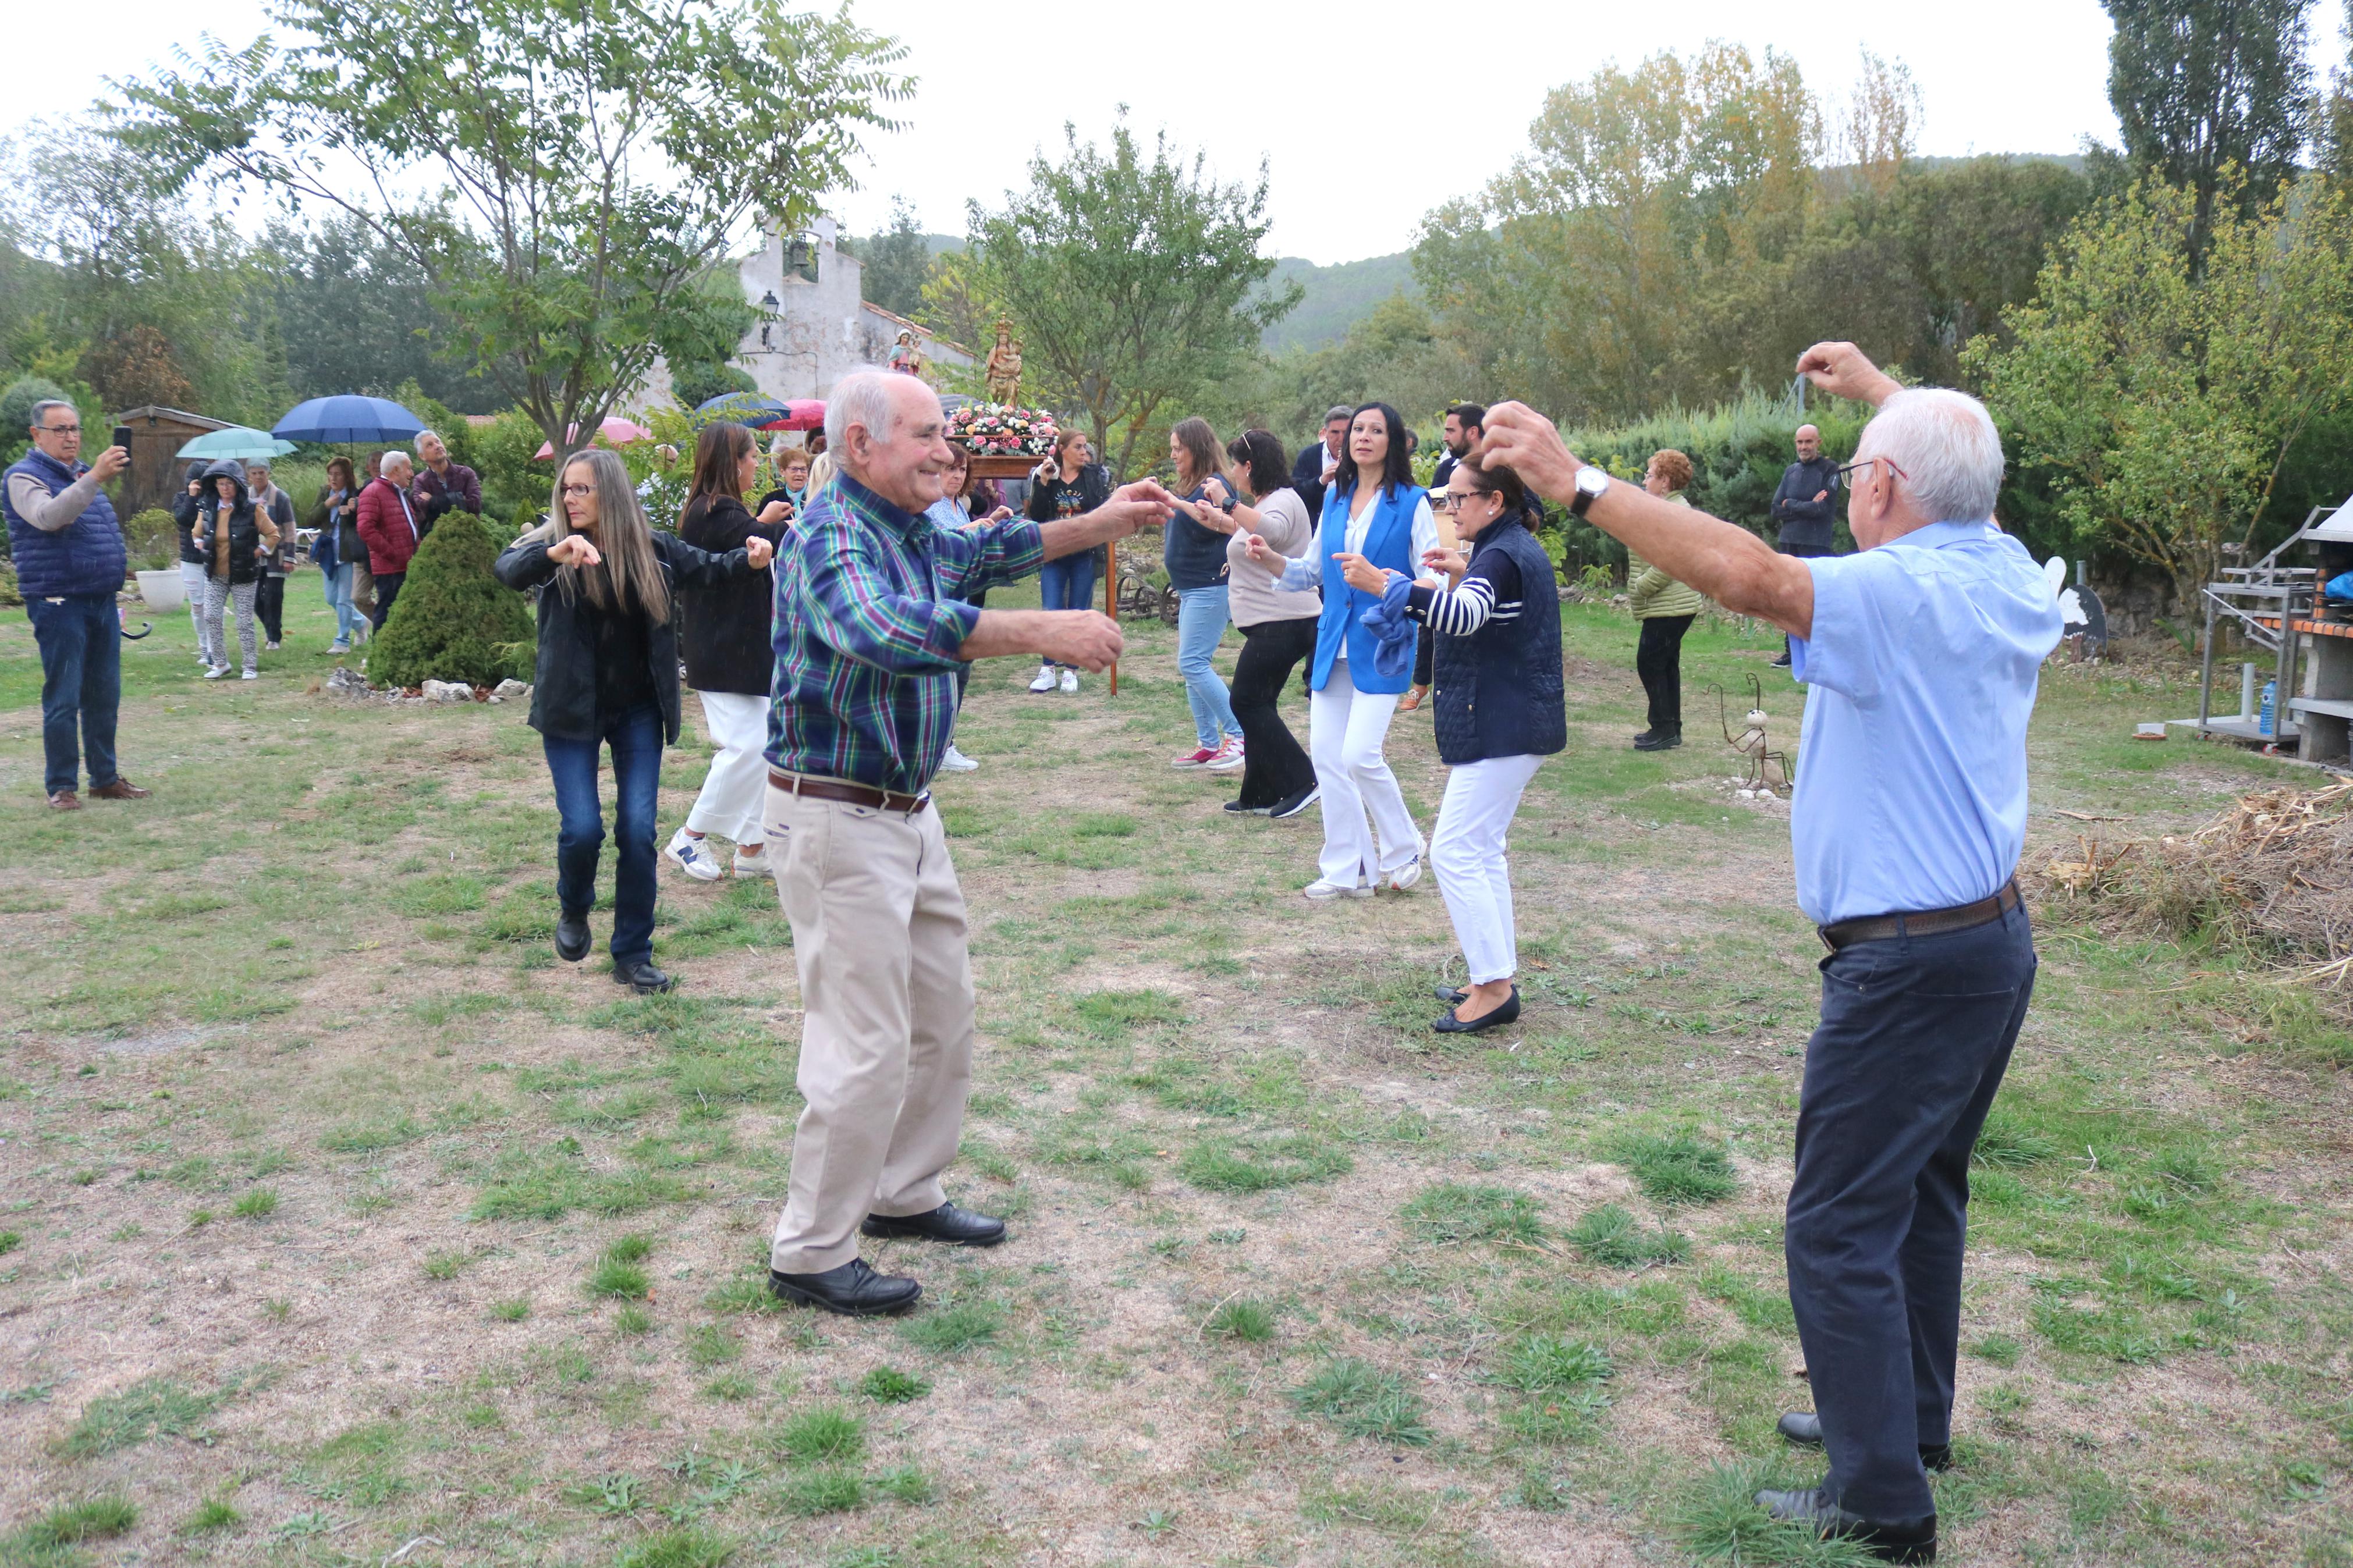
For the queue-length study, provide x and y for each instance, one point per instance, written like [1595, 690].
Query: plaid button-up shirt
[868, 627]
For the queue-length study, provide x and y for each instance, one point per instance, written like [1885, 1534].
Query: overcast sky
[1367, 114]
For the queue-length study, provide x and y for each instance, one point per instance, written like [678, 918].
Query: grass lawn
[345, 1225]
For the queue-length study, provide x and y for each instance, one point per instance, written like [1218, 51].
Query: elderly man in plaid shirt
[870, 631]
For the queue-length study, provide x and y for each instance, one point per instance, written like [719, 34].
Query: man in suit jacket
[1313, 469]
[389, 526]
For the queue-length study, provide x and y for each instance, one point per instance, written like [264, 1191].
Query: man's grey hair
[861, 398]
[424, 436]
[394, 460]
[41, 409]
[1338, 411]
[1947, 445]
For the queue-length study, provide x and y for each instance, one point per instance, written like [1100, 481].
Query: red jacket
[388, 527]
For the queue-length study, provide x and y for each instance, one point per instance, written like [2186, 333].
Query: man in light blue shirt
[1922, 653]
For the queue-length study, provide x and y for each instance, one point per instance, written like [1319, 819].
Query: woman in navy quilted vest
[1501, 711]
[1374, 516]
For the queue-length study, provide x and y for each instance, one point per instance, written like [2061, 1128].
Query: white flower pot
[162, 590]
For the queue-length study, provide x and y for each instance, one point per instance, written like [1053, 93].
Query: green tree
[895, 264]
[356, 314]
[1135, 282]
[594, 159]
[454, 620]
[2163, 403]
[2200, 87]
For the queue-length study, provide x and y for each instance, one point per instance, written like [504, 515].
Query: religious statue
[1003, 371]
[906, 356]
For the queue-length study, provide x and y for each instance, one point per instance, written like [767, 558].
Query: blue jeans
[1915, 1033]
[339, 599]
[1068, 583]
[636, 739]
[81, 640]
[1201, 625]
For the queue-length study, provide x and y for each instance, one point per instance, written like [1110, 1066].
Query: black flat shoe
[1451, 1024]
[572, 937]
[1659, 740]
[1452, 995]
[854, 1290]
[1889, 1540]
[1804, 1428]
[1239, 809]
[957, 1227]
[641, 977]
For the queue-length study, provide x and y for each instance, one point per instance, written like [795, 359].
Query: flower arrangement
[998, 429]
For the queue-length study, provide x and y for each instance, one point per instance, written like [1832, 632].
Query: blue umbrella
[348, 417]
[739, 408]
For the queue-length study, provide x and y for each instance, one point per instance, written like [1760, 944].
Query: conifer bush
[454, 620]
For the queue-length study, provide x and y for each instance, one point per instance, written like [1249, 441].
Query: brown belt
[855, 794]
[1927, 923]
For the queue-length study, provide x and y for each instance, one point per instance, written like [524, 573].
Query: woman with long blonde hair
[608, 676]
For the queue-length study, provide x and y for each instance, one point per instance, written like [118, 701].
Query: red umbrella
[616, 430]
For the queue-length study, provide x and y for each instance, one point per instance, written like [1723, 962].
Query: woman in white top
[1373, 513]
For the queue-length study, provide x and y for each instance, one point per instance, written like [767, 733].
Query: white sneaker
[1406, 876]
[270, 647]
[1070, 681]
[1324, 887]
[339, 647]
[214, 671]
[693, 857]
[1229, 758]
[955, 762]
[755, 865]
[1045, 681]
[250, 675]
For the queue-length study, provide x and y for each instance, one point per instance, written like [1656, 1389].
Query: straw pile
[2271, 878]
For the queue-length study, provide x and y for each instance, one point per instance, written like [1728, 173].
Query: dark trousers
[1915, 1035]
[1658, 661]
[387, 589]
[270, 606]
[1274, 765]
[636, 739]
[81, 641]
[1425, 655]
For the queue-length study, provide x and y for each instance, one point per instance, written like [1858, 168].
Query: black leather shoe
[1889, 1540]
[641, 977]
[572, 937]
[1450, 995]
[1781, 663]
[1658, 740]
[854, 1290]
[1451, 1024]
[1642, 741]
[1804, 1428]
[957, 1227]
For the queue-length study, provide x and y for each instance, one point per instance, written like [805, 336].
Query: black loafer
[1452, 995]
[572, 937]
[1804, 1428]
[641, 977]
[1889, 1540]
[1451, 1024]
[854, 1290]
[957, 1227]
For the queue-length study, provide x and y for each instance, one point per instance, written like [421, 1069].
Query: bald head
[1809, 443]
[888, 433]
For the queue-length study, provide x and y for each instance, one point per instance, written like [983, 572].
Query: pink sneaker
[1229, 758]
[1201, 758]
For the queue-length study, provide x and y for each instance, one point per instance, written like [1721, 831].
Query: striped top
[868, 626]
[1490, 590]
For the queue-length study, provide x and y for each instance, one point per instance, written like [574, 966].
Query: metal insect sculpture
[1768, 769]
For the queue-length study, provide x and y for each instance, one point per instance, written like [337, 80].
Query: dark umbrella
[747, 408]
[348, 417]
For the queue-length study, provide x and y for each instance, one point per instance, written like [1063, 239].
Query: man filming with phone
[69, 560]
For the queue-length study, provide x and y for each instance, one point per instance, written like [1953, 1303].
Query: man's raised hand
[1519, 438]
[111, 462]
[758, 551]
[1087, 638]
[1843, 370]
[1134, 506]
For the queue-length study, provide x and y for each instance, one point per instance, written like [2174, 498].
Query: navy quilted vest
[1498, 689]
[85, 556]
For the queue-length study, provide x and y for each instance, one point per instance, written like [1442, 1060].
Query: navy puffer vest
[1498, 689]
[85, 556]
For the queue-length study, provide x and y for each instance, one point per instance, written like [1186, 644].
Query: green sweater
[1653, 594]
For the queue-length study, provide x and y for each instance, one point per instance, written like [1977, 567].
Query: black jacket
[185, 508]
[1307, 478]
[727, 631]
[1806, 526]
[564, 690]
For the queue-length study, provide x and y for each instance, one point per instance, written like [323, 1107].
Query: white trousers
[737, 785]
[1466, 850]
[1345, 730]
[192, 584]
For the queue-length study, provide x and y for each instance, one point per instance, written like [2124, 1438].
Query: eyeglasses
[1866, 462]
[570, 491]
[59, 429]
[1451, 500]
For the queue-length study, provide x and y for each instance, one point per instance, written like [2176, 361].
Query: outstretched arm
[1131, 507]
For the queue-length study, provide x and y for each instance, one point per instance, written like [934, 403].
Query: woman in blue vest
[1373, 516]
[1501, 711]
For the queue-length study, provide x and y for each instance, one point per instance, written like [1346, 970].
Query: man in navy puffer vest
[70, 563]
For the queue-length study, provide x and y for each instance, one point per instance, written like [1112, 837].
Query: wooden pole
[1111, 599]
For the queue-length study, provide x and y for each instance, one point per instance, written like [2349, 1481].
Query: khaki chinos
[887, 1009]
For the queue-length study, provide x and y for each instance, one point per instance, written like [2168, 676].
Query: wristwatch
[1590, 482]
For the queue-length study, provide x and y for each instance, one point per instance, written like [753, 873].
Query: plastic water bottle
[2266, 722]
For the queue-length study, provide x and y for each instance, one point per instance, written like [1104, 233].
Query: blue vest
[1500, 690]
[1388, 544]
[85, 556]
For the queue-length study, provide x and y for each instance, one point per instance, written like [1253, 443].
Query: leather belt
[1927, 923]
[855, 794]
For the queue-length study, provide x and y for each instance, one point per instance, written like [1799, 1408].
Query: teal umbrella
[237, 441]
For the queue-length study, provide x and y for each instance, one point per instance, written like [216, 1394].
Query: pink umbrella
[616, 430]
[800, 414]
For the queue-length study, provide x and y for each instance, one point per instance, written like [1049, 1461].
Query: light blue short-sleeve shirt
[1912, 762]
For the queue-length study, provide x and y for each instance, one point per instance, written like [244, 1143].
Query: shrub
[10, 598]
[454, 621]
[152, 539]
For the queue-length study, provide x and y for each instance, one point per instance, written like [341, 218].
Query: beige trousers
[886, 1019]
